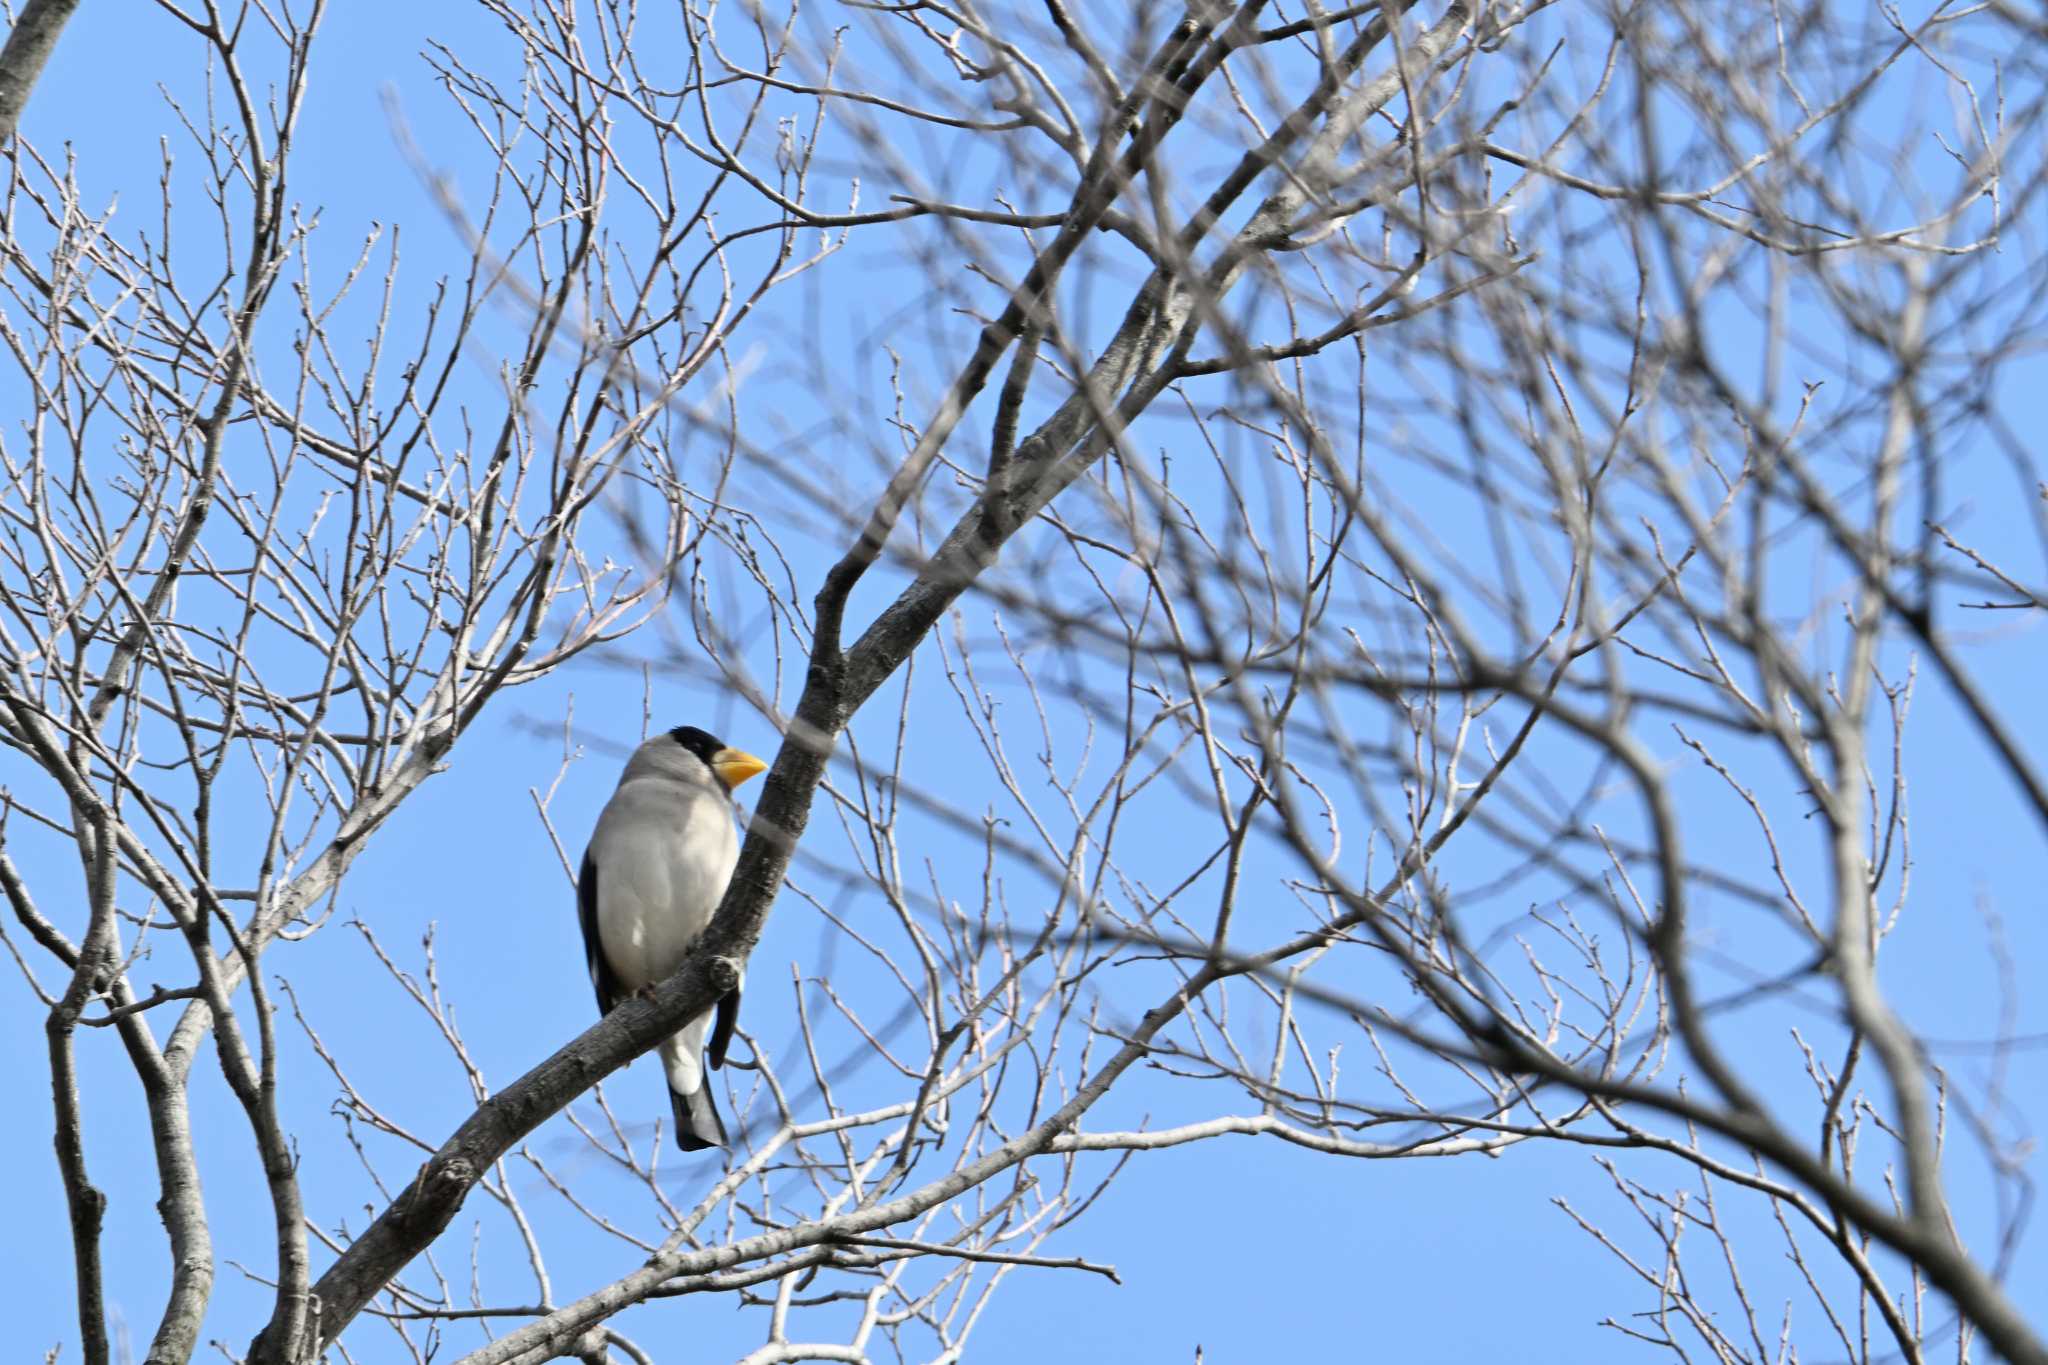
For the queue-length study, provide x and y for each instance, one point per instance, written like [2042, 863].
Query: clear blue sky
[1255, 1251]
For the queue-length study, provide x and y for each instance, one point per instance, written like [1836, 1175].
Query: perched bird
[656, 868]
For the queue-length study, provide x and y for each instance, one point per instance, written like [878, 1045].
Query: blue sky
[1252, 1250]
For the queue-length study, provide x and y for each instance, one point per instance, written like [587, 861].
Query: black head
[697, 741]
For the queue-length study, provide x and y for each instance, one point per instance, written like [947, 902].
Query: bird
[656, 867]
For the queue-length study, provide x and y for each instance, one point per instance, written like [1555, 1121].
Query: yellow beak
[735, 766]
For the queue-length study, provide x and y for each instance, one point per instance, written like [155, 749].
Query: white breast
[664, 852]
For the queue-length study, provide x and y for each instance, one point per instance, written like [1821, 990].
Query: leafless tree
[1469, 501]
[31, 38]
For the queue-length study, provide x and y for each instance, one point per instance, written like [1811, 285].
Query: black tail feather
[697, 1122]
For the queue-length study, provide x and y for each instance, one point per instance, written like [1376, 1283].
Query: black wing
[601, 976]
[721, 1028]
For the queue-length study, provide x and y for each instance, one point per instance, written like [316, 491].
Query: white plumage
[656, 868]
